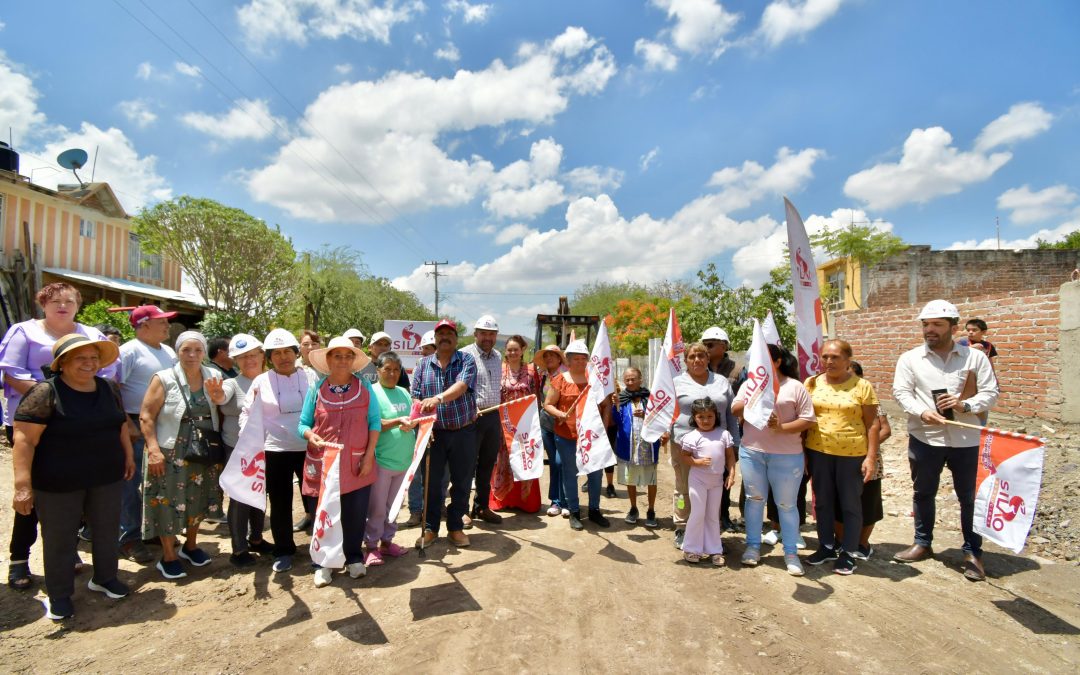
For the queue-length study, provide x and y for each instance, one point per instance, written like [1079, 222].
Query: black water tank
[9, 159]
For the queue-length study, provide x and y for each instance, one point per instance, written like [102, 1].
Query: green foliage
[1071, 241]
[221, 324]
[235, 260]
[97, 313]
[602, 297]
[732, 307]
[863, 243]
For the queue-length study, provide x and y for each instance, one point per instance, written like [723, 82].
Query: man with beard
[928, 384]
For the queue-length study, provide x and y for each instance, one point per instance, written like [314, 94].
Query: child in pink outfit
[710, 454]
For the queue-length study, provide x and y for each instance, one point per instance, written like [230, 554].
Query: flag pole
[501, 405]
[965, 425]
[427, 477]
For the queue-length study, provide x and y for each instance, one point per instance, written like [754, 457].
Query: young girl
[710, 454]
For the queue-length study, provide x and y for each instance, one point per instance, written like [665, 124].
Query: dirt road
[533, 596]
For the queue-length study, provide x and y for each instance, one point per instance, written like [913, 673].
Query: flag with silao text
[521, 433]
[244, 475]
[761, 386]
[327, 537]
[423, 437]
[1007, 486]
[660, 411]
[593, 447]
[601, 367]
[806, 298]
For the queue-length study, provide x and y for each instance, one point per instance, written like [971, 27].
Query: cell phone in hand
[936, 394]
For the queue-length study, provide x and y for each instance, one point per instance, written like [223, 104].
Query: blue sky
[538, 145]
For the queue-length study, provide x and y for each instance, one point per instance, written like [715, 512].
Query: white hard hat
[939, 309]
[577, 347]
[242, 343]
[486, 322]
[354, 333]
[381, 335]
[279, 338]
[428, 339]
[714, 333]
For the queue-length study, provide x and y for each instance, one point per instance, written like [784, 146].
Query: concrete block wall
[1025, 326]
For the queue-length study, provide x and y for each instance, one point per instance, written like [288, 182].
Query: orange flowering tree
[635, 321]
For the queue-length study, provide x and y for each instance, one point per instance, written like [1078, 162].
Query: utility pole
[435, 274]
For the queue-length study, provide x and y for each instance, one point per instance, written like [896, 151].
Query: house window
[837, 290]
[86, 228]
[144, 265]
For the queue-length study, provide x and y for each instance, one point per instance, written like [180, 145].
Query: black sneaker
[631, 516]
[611, 491]
[844, 564]
[304, 524]
[585, 486]
[196, 556]
[59, 609]
[598, 518]
[679, 538]
[575, 521]
[242, 559]
[821, 555]
[650, 519]
[115, 589]
[171, 569]
[863, 553]
[260, 547]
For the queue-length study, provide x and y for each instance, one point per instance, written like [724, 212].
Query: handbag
[204, 446]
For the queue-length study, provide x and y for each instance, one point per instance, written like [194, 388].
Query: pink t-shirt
[792, 403]
[712, 444]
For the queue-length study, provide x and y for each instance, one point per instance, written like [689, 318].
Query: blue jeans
[783, 474]
[555, 486]
[131, 500]
[567, 448]
[416, 488]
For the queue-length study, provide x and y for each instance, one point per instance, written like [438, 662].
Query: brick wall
[958, 274]
[1024, 326]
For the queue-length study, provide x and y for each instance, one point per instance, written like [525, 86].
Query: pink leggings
[702, 534]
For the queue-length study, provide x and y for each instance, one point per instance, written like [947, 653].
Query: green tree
[732, 307]
[1071, 241]
[863, 244]
[240, 265]
[97, 313]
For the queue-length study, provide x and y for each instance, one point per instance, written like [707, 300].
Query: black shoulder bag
[205, 446]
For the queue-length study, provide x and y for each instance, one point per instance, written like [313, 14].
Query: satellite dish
[73, 160]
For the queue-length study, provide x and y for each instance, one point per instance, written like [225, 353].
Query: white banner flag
[761, 384]
[521, 427]
[660, 412]
[327, 537]
[807, 297]
[593, 448]
[244, 476]
[423, 435]
[769, 330]
[1007, 486]
[601, 367]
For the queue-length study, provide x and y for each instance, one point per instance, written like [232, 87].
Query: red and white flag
[593, 448]
[327, 537]
[423, 436]
[807, 298]
[1007, 486]
[660, 412]
[601, 367]
[521, 432]
[244, 476]
[769, 330]
[762, 386]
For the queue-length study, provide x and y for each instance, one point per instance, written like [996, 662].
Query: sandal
[692, 557]
[718, 560]
[19, 575]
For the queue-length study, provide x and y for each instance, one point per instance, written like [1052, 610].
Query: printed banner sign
[423, 435]
[806, 296]
[244, 476]
[762, 385]
[405, 339]
[1007, 486]
[660, 412]
[327, 537]
[593, 448]
[521, 433]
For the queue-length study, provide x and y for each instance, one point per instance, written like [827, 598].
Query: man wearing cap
[139, 360]
[489, 433]
[445, 384]
[928, 385]
[380, 344]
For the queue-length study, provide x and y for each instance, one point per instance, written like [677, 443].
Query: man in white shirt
[929, 384]
[489, 434]
[139, 360]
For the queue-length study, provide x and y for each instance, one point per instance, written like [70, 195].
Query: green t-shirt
[395, 448]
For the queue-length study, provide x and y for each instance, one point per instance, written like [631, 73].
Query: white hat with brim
[242, 343]
[486, 322]
[577, 347]
[317, 357]
[108, 352]
[939, 309]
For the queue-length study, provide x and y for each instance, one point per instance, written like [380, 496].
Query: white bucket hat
[317, 357]
[486, 322]
[715, 333]
[242, 343]
[939, 309]
[279, 338]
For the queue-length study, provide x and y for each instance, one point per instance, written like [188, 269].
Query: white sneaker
[770, 538]
[554, 510]
[794, 566]
[566, 513]
[801, 544]
[356, 570]
[323, 577]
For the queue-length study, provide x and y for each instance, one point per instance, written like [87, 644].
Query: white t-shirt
[282, 400]
[138, 363]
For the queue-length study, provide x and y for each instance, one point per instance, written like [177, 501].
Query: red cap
[144, 313]
[446, 323]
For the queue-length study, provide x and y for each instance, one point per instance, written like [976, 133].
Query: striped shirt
[430, 379]
[488, 376]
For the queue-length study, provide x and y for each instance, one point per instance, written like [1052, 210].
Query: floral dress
[505, 492]
[188, 492]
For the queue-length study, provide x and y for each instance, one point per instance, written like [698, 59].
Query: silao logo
[585, 446]
[254, 469]
[603, 369]
[1007, 508]
[410, 339]
[529, 447]
[325, 524]
[803, 268]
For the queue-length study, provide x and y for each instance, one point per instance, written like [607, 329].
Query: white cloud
[1051, 234]
[187, 69]
[470, 13]
[1023, 121]
[527, 189]
[1036, 207]
[247, 120]
[512, 233]
[656, 55]
[646, 160]
[929, 167]
[592, 180]
[343, 68]
[144, 71]
[786, 19]
[390, 130]
[138, 112]
[448, 53]
[742, 186]
[266, 22]
[18, 101]
[2, 25]
[701, 26]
